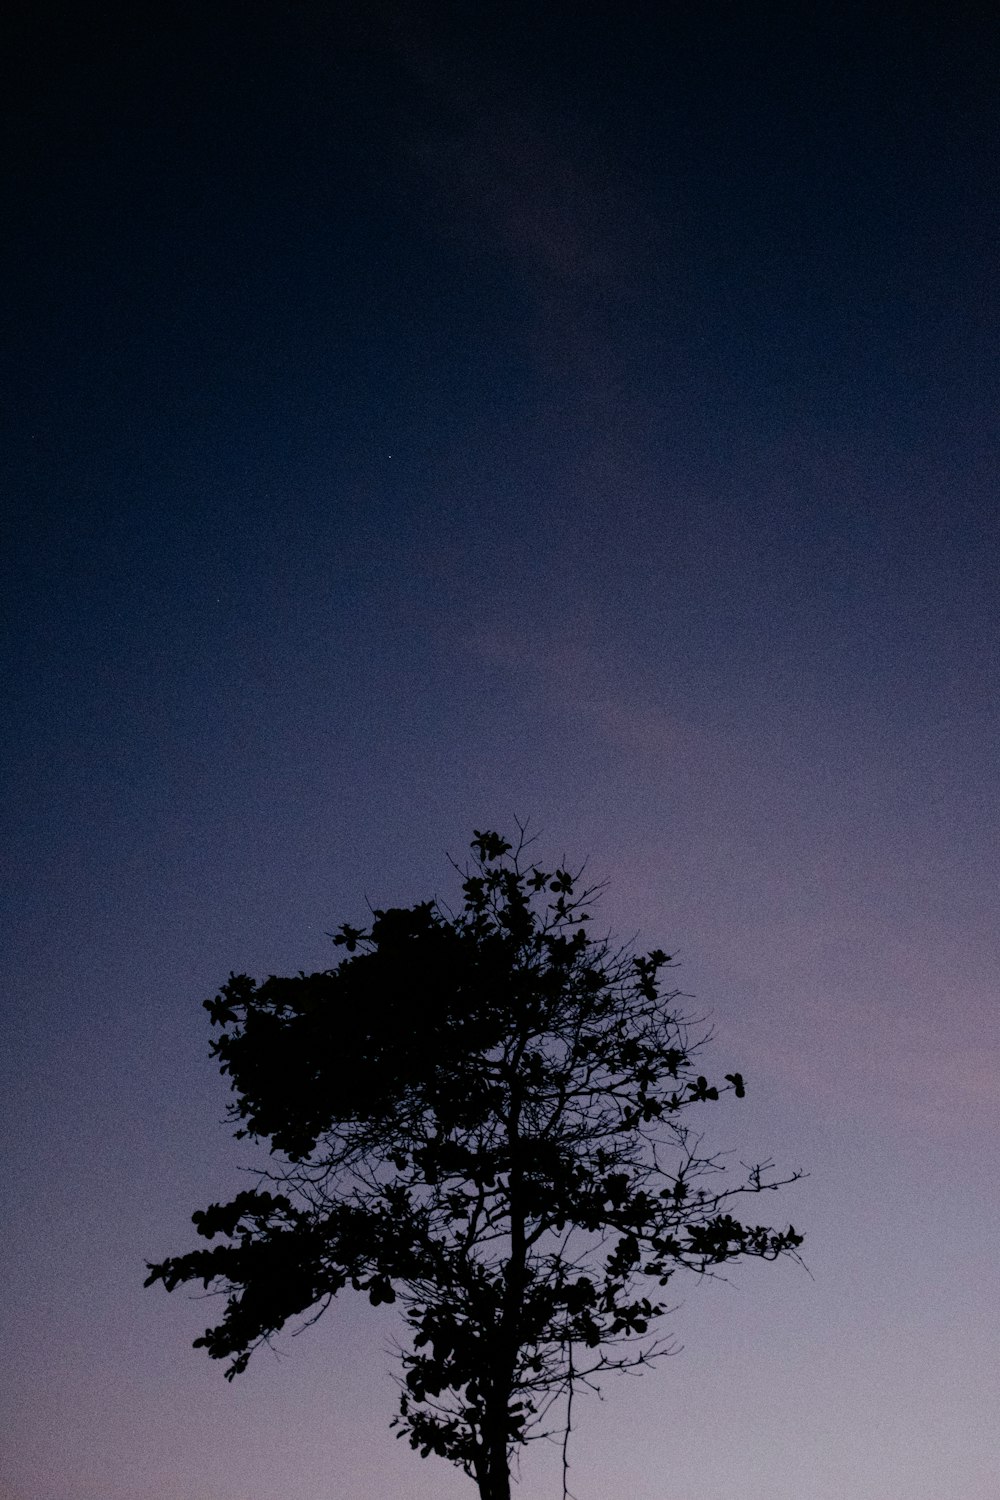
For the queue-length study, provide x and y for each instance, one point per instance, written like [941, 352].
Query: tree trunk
[492, 1473]
[493, 1469]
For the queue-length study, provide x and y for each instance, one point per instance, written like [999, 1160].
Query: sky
[420, 418]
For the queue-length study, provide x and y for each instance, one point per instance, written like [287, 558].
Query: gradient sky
[418, 417]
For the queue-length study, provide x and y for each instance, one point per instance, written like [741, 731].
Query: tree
[482, 1114]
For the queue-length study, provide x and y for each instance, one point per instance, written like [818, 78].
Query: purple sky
[431, 417]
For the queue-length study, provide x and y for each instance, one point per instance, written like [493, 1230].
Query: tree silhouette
[483, 1115]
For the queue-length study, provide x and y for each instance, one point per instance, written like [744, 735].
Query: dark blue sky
[418, 417]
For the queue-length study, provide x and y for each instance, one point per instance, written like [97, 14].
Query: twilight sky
[417, 417]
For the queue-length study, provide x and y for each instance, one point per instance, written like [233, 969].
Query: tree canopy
[483, 1114]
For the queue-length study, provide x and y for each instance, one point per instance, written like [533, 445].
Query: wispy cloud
[524, 175]
[867, 998]
[507, 176]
